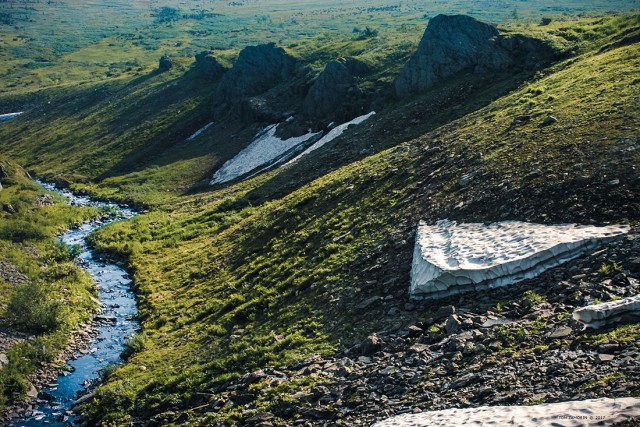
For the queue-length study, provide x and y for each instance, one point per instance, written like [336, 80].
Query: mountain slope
[228, 287]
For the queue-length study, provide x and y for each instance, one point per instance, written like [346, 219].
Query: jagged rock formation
[334, 90]
[455, 43]
[165, 63]
[209, 65]
[258, 69]
[451, 258]
[598, 315]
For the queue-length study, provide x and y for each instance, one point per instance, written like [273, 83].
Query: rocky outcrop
[209, 65]
[258, 69]
[165, 63]
[334, 90]
[455, 43]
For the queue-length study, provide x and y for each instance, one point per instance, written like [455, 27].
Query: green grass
[57, 295]
[267, 272]
[220, 278]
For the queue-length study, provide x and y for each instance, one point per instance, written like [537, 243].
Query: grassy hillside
[44, 296]
[229, 283]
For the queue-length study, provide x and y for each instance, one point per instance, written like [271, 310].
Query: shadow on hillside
[400, 122]
[146, 106]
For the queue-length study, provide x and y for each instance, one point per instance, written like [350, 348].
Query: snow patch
[264, 149]
[333, 134]
[576, 413]
[451, 258]
[598, 315]
[195, 135]
[9, 116]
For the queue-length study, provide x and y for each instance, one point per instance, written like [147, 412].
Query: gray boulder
[258, 69]
[455, 43]
[334, 90]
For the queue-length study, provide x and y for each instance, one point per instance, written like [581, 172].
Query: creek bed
[115, 323]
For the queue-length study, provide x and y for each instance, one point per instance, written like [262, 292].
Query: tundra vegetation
[270, 271]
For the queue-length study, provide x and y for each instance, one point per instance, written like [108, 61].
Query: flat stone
[451, 258]
[561, 332]
[597, 315]
[606, 357]
[499, 321]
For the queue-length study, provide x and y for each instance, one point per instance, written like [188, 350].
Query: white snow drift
[598, 315]
[268, 150]
[451, 258]
[264, 149]
[333, 134]
[199, 131]
[9, 116]
[576, 413]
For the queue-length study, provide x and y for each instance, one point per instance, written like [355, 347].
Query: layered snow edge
[9, 116]
[597, 315]
[451, 258]
[602, 411]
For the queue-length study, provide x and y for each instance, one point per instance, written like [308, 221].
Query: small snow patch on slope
[195, 135]
[333, 134]
[9, 116]
[264, 149]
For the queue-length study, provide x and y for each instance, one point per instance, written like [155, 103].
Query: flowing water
[116, 322]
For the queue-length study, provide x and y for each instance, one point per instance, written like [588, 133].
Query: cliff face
[334, 92]
[455, 43]
[258, 69]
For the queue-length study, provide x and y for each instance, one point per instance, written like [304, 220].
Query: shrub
[13, 385]
[134, 345]
[368, 33]
[32, 309]
[19, 231]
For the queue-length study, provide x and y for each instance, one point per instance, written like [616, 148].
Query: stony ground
[481, 349]
[47, 375]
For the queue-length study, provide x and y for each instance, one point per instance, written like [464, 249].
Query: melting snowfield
[451, 258]
[198, 132]
[577, 413]
[9, 116]
[264, 149]
[333, 134]
[268, 150]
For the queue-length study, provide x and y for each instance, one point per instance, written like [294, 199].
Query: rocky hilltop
[455, 43]
[258, 69]
[334, 92]
[209, 65]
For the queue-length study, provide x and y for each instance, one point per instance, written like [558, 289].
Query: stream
[114, 324]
